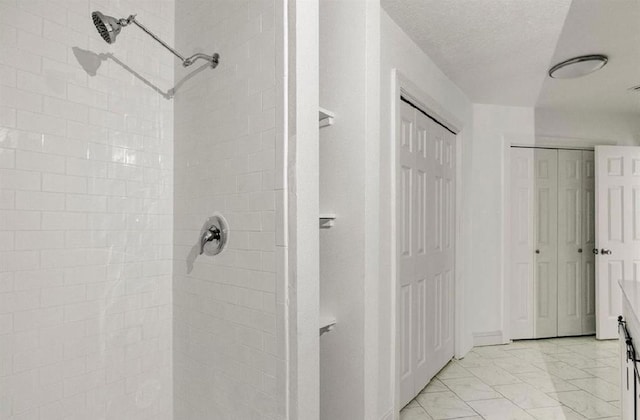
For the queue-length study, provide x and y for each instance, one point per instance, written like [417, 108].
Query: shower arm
[186, 62]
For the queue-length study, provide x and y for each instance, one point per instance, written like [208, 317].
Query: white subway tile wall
[86, 202]
[229, 336]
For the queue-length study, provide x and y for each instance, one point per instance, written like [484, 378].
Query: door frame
[403, 86]
[509, 141]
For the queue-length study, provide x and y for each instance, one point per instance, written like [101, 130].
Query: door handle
[537, 251]
[604, 251]
[595, 251]
[579, 250]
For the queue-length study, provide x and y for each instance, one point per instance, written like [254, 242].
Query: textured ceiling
[496, 51]
[610, 27]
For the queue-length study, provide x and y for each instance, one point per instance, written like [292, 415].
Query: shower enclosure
[113, 157]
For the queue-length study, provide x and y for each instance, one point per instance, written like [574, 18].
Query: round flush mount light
[578, 66]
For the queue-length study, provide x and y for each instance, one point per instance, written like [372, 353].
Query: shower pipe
[109, 27]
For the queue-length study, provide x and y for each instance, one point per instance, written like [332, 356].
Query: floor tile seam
[561, 406]
[523, 408]
[606, 402]
[566, 380]
[591, 393]
[502, 396]
[609, 382]
[451, 391]
[482, 399]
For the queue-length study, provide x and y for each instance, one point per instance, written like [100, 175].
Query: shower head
[108, 27]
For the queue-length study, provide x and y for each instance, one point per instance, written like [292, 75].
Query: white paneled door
[570, 243]
[617, 230]
[406, 255]
[425, 249]
[552, 289]
[442, 249]
[588, 244]
[576, 240]
[546, 243]
[522, 243]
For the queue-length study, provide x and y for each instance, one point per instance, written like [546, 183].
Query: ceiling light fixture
[578, 66]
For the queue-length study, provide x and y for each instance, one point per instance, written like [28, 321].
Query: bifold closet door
[570, 242]
[589, 243]
[406, 255]
[522, 243]
[442, 244]
[425, 249]
[576, 240]
[546, 243]
[415, 224]
[552, 238]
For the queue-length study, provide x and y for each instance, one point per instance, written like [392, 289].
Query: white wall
[595, 127]
[493, 125]
[85, 213]
[301, 202]
[399, 52]
[348, 165]
[229, 335]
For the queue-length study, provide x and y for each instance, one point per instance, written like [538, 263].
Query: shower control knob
[215, 236]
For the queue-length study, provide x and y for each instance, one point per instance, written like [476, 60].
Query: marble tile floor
[572, 378]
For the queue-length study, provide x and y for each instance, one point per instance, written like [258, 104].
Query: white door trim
[509, 141]
[402, 86]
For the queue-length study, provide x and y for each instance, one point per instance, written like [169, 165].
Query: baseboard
[488, 338]
[464, 347]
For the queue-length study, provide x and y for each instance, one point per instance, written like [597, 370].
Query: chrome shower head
[108, 27]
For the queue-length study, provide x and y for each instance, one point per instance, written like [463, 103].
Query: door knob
[537, 251]
[579, 250]
[604, 251]
[595, 251]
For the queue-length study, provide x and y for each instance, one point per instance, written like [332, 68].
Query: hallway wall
[494, 127]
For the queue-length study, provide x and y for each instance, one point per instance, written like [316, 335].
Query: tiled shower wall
[86, 157]
[229, 352]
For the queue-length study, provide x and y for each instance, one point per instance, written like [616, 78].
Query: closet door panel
[589, 243]
[422, 215]
[406, 256]
[522, 243]
[425, 249]
[546, 243]
[440, 253]
[570, 243]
